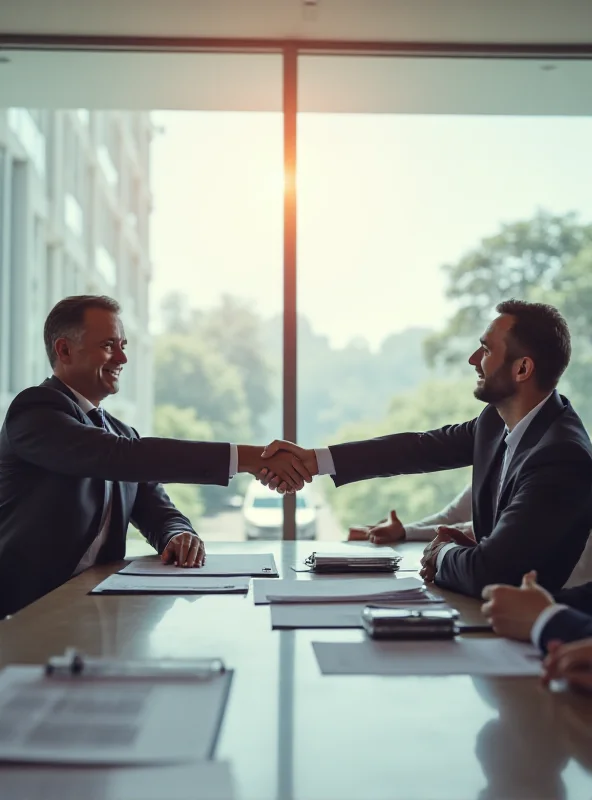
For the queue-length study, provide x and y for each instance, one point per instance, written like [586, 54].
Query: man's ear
[62, 350]
[525, 369]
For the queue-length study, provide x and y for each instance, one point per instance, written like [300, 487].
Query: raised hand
[386, 531]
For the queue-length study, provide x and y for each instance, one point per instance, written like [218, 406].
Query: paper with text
[455, 657]
[206, 780]
[224, 565]
[173, 584]
[77, 720]
[325, 615]
[343, 590]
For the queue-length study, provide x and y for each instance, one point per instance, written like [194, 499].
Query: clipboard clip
[74, 664]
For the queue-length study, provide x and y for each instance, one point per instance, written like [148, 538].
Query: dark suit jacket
[568, 625]
[544, 511]
[53, 466]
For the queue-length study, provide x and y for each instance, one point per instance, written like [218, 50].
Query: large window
[412, 228]
[427, 190]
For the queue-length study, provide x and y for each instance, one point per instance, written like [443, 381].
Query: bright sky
[384, 201]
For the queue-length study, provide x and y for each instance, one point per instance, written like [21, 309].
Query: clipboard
[108, 712]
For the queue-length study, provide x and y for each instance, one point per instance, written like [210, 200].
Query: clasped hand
[290, 466]
[445, 535]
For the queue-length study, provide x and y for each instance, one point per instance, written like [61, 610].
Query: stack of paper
[354, 562]
[217, 565]
[170, 584]
[402, 591]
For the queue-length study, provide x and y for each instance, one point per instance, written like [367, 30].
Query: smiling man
[531, 458]
[72, 476]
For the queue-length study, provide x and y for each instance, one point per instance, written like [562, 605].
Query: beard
[497, 387]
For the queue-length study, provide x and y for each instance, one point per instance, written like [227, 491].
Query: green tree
[523, 259]
[214, 361]
[189, 373]
[182, 423]
[434, 404]
[235, 331]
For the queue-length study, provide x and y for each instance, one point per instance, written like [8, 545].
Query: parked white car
[263, 513]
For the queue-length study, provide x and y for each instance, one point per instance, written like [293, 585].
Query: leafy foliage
[433, 404]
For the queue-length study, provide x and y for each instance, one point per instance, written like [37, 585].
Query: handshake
[283, 466]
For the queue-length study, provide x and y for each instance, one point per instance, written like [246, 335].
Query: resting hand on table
[512, 611]
[386, 531]
[445, 535]
[184, 550]
[570, 662]
[278, 449]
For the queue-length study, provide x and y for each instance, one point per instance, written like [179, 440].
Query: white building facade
[75, 208]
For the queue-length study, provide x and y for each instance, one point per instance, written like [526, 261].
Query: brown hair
[540, 332]
[66, 318]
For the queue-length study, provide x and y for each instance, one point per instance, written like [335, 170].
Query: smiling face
[495, 370]
[91, 362]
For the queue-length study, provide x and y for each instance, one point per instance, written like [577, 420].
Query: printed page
[75, 720]
[207, 780]
[253, 564]
[342, 590]
[457, 657]
[156, 584]
[325, 615]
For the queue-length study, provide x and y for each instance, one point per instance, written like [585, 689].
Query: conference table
[290, 732]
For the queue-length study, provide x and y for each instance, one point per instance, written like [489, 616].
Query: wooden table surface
[291, 732]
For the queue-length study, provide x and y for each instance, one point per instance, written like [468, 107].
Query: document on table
[223, 565]
[461, 656]
[351, 590]
[170, 584]
[325, 615]
[205, 780]
[111, 721]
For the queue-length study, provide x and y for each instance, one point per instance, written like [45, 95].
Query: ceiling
[253, 82]
[523, 21]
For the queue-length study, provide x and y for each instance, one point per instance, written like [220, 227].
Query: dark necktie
[97, 417]
[496, 473]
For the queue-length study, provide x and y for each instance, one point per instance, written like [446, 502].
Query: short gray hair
[66, 318]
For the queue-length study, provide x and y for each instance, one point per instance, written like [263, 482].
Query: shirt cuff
[325, 462]
[233, 466]
[541, 621]
[442, 553]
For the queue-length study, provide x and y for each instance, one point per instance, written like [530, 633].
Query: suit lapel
[532, 436]
[483, 508]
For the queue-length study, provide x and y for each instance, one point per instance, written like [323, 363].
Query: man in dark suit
[72, 476]
[531, 458]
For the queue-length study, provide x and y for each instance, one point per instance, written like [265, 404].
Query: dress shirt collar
[84, 404]
[513, 437]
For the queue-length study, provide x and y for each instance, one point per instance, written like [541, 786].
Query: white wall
[560, 21]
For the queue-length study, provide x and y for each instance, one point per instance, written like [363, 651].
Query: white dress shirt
[90, 557]
[457, 514]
